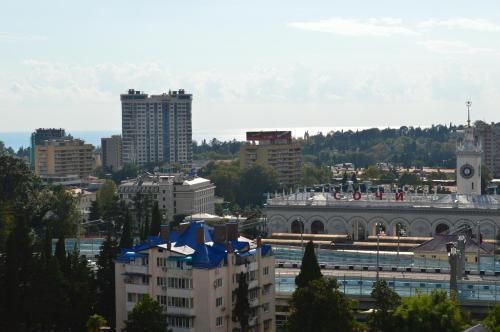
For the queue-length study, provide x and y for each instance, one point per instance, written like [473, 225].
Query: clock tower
[469, 160]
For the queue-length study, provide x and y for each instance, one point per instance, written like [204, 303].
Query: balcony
[136, 269]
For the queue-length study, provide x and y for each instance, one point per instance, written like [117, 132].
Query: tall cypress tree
[60, 252]
[309, 270]
[241, 311]
[155, 220]
[19, 265]
[105, 279]
[126, 237]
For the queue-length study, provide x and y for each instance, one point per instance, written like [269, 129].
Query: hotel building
[63, 157]
[273, 149]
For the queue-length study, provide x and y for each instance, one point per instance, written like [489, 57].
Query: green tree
[155, 220]
[386, 300]
[107, 199]
[19, 269]
[60, 252]
[371, 172]
[486, 178]
[105, 279]
[94, 211]
[312, 174]
[95, 322]
[320, 306]
[241, 311]
[255, 182]
[309, 269]
[408, 179]
[126, 240]
[426, 313]
[147, 315]
[492, 321]
[49, 296]
[80, 291]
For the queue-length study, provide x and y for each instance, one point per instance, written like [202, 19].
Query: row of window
[183, 322]
[135, 297]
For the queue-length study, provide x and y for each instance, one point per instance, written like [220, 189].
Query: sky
[251, 64]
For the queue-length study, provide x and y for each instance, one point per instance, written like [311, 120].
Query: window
[218, 282]
[162, 299]
[161, 281]
[219, 301]
[131, 297]
[265, 307]
[266, 270]
[266, 289]
[180, 302]
[267, 324]
[219, 321]
[183, 283]
[183, 322]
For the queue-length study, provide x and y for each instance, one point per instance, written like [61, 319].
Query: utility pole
[478, 248]
[378, 247]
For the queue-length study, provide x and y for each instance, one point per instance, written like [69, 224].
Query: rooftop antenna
[468, 103]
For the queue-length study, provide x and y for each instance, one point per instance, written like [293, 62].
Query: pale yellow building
[65, 156]
[274, 149]
[193, 273]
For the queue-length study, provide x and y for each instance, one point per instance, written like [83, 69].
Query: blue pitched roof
[206, 255]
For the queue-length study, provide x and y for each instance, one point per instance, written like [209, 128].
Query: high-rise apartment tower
[156, 128]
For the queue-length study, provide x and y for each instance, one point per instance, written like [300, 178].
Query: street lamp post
[398, 231]
[378, 247]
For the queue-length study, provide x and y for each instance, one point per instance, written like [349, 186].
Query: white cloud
[453, 47]
[11, 36]
[372, 27]
[460, 23]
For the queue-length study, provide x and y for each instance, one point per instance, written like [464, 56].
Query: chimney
[259, 242]
[200, 235]
[232, 231]
[169, 245]
[164, 233]
[220, 233]
[182, 227]
[229, 247]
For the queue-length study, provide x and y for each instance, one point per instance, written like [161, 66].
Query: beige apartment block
[275, 150]
[193, 273]
[111, 151]
[64, 156]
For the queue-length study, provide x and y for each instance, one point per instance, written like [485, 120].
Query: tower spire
[468, 103]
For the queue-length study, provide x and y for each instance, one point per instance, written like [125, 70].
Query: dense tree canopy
[147, 315]
[427, 313]
[386, 300]
[320, 306]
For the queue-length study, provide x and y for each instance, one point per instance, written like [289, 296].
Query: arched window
[296, 226]
[317, 227]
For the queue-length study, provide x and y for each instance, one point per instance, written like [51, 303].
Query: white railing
[388, 201]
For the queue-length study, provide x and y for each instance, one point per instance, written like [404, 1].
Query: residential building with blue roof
[193, 273]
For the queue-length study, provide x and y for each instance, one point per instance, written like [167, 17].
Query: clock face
[467, 171]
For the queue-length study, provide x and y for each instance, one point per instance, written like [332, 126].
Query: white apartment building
[156, 128]
[193, 273]
[174, 194]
